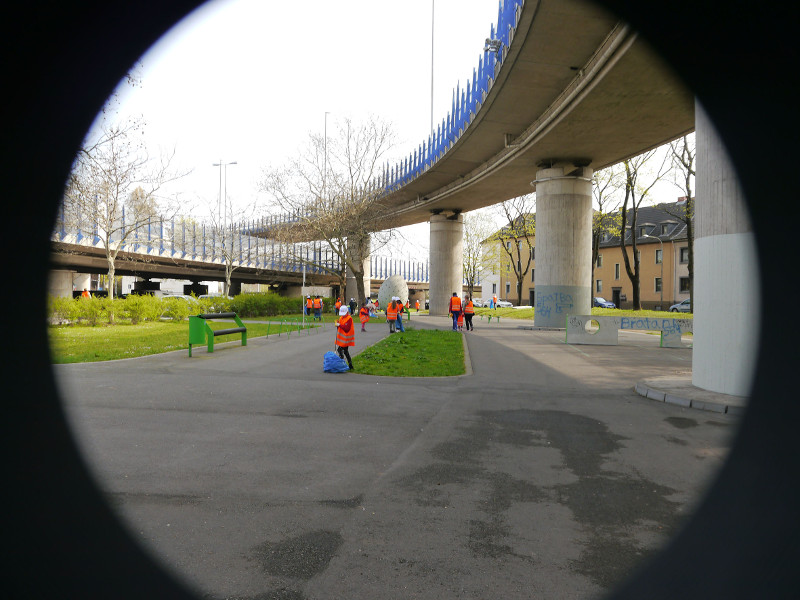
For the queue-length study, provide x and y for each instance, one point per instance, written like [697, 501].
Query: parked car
[477, 302]
[504, 304]
[602, 303]
[685, 306]
[180, 296]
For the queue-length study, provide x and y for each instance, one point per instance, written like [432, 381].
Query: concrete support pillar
[726, 278]
[60, 284]
[446, 261]
[358, 248]
[563, 244]
[81, 281]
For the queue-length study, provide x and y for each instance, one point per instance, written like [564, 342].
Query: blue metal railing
[465, 104]
[181, 238]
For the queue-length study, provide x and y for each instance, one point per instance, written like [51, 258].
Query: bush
[177, 309]
[142, 308]
[264, 305]
[90, 309]
[63, 309]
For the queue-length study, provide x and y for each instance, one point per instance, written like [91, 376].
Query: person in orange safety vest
[391, 315]
[455, 309]
[345, 335]
[363, 315]
[469, 310]
[400, 311]
[309, 305]
[318, 308]
[417, 305]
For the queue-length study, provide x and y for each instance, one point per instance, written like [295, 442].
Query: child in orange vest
[345, 335]
[461, 321]
[363, 315]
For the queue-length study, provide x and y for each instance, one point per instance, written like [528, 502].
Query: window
[494, 288]
[508, 289]
[533, 271]
[659, 256]
[642, 230]
[533, 253]
[684, 285]
[599, 260]
[508, 246]
[616, 270]
[599, 286]
[685, 254]
[664, 228]
[658, 284]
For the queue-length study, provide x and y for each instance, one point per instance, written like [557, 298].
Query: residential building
[663, 248]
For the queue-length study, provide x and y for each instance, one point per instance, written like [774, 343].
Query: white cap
[343, 311]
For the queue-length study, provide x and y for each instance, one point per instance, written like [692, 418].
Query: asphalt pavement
[250, 473]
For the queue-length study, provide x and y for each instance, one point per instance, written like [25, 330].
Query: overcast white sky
[248, 80]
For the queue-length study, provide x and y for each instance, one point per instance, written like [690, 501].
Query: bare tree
[330, 193]
[476, 230]
[683, 156]
[635, 193]
[516, 237]
[115, 185]
[606, 218]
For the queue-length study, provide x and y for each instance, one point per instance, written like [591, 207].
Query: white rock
[393, 286]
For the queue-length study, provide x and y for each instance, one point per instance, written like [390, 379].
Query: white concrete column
[726, 278]
[563, 244]
[358, 249]
[81, 281]
[446, 261]
[60, 284]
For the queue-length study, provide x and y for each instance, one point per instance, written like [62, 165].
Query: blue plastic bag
[331, 363]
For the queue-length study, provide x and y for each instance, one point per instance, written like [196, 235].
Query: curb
[651, 393]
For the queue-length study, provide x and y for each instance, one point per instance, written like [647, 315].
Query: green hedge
[139, 309]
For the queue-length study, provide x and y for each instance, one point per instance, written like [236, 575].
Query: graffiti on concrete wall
[557, 302]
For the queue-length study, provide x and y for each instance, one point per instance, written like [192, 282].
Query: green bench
[200, 331]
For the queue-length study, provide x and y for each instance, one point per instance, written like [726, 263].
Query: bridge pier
[358, 249]
[726, 290]
[446, 260]
[563, 243]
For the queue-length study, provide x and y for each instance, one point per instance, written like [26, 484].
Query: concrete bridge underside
[579, 91]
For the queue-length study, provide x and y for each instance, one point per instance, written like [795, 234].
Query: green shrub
[63, 309]
[264, 305]
[142, 308]
[177, 309]
[90, 309]
[113, 308]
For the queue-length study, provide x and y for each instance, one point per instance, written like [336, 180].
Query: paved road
[254, 475]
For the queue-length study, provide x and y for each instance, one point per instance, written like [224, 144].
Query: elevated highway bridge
[570, 91]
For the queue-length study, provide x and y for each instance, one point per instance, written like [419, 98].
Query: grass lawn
[415, 353]
[74, 344]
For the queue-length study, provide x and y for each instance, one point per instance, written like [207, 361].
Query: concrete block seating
[607, 333]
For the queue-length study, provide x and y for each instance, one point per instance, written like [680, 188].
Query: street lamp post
[222, 204]
[662, 266]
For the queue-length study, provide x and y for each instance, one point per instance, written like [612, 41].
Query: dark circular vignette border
[62, 61]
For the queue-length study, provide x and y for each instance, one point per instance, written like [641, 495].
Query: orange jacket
[309, 303]
[345, 332]
[363, 314]
[469, 309]
[455, 304]
[338, 305]
[417, 305]
[317, 302]
[391, 311]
